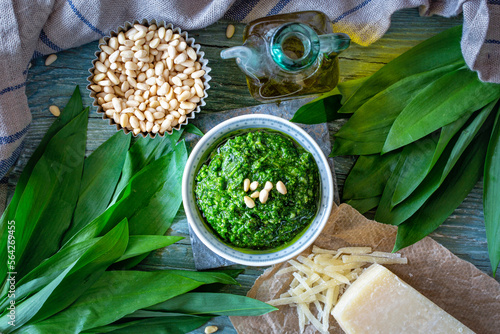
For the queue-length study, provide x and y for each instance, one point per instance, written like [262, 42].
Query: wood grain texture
[463, 233]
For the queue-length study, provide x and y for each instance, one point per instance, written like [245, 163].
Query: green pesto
[259, 156]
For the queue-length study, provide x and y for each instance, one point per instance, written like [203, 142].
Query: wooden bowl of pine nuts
[148, 78]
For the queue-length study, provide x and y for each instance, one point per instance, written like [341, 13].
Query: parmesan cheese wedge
[380, 302]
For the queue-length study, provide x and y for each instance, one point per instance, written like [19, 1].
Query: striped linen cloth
[34, 28]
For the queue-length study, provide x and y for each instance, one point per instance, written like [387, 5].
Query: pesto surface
[259, 156]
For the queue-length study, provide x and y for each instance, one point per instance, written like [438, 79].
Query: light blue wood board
[463, 233]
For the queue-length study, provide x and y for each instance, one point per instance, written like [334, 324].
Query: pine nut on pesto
[262, 157]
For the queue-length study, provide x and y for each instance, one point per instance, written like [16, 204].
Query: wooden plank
[463, 233]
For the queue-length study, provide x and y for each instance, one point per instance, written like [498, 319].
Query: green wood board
[463, 233]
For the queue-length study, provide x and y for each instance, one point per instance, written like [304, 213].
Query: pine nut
[158, 115]
[113, 43]
[255, 194]
[198, 74]
[150, 35]
[107, 49]
[191, 53]
[246, 185]
[124, 120]
[182, 46]
[172, 51]
[127, 54]
[143, 72]
[194, 99]
[177, 81]
[249, 202]
[54, 110]
[188, 105]
[263, 196]
[189, 70]
[112, 76]
[161, 32]
[104, 83]
[50, 59]
[149, 116]
[114, 56]
[254, 185]
[130, 65]
[140, 27]
[96, 88]
[121, 38]
[230, 31]
[101, 67]
[134, 122]
[168, 35]
[199, 90]
[280, 186]
[117, 104]
[268, 186]
[165, 125]
[211, 329]
[184, 96]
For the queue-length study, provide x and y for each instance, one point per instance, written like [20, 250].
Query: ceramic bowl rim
[192, 211]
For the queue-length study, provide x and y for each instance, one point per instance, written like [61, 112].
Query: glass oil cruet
[289, 55]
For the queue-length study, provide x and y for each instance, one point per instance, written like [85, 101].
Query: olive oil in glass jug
[289, 55]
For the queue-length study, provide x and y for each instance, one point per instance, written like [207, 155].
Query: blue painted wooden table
[463, 233]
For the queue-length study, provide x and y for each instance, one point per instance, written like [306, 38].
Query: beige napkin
[455, 285]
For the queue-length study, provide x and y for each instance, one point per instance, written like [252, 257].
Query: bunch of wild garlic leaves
[425, 129]
[76, 225]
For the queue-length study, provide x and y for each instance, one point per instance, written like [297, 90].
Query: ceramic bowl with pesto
[250, 230]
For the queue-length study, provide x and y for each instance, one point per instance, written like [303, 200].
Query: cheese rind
[380, 302]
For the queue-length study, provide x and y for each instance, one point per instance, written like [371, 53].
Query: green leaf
[444, 101]
[349, 87]
[101, 172]
[26, 311]
[448, 197]
[319, 111]
[214, 303]
[142, 153]
[72, 109]
[491, 194]
[47, 271]
[482, 122]
[404, 189]
[45, 209]
[364, 205]
[82, 274]
[369, 175]
[124, 292]
[440, 50]
[190, 128]
[166, 324]
[155, 217]
[436, 176]
[324, 108]
[367, 130]
[137, 195]
[417, 158]
[141, 244]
